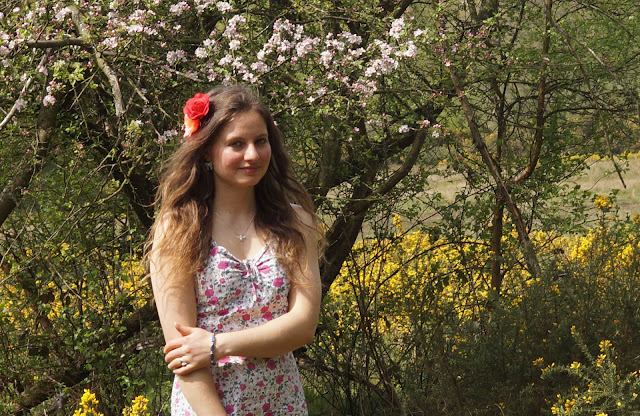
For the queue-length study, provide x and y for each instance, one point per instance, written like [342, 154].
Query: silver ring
[183, 363]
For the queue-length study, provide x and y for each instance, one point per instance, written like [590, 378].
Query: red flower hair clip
[195, 108]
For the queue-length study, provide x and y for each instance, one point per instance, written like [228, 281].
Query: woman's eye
[262, 141]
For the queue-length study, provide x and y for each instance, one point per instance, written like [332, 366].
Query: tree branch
[540, 118]
[528, 250]
[56, 43]
[102, 64]
[23, 91]
[344, 231]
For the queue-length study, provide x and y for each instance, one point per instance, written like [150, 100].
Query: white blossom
[20, 104]
[178, 8]
[351, 38]
[223, 7]
[397, 26]
[110, 42]
[325, 58]
[234, 44]
[226, 60]
[381, 66]
[201, 52]
[166, 136]
[176, 56]
[403, 129]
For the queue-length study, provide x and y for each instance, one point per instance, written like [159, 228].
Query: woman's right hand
[193, 348]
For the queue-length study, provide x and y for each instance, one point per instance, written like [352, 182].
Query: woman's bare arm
[176, 303]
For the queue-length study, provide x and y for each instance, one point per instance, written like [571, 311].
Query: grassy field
[601, 178]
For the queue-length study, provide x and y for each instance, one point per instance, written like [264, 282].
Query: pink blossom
[306, 46]
[259, 67]
[110, 42]
[59, 17]
[336, 44]
[135, 29]
[356, 53]
[425, 123]
[48, 100]
[231, 31]
[201, 52]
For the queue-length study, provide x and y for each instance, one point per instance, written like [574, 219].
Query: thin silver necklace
[242, 236]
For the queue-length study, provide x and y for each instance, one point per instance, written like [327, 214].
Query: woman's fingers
[181, 365]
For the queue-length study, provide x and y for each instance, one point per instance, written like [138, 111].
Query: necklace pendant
[241, 237]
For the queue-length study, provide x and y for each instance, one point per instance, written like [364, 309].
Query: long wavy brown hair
[186, 192]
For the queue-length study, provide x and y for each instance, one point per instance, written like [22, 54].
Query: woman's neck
[237, 202]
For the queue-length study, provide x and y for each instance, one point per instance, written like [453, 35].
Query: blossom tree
[93, 103]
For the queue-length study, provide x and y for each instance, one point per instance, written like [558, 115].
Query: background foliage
[512, 292]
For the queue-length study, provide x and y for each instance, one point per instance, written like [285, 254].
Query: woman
[236, 229]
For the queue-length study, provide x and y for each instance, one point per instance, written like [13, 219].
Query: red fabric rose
[197, 107]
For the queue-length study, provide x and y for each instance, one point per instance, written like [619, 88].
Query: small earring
[208, 165]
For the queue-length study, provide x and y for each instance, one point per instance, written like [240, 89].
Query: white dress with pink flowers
[235, 294]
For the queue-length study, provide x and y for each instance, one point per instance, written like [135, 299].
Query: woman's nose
[251, 152]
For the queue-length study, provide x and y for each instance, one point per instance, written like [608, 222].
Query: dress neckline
[252, 259]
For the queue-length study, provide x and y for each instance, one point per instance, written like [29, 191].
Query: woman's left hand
[193, 348]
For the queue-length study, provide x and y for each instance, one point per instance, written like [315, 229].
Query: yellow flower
[138, 407]
[604, 345]
[602, 203]
[87, 405]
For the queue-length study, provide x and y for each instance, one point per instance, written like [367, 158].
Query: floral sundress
[235, 294]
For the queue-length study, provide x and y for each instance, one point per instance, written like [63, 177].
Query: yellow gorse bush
[87, 405]
[138, 407]
[89, 402]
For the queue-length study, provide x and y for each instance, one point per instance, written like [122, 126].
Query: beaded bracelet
[213, 348]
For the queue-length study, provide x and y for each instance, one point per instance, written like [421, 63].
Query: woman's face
[241, 152]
